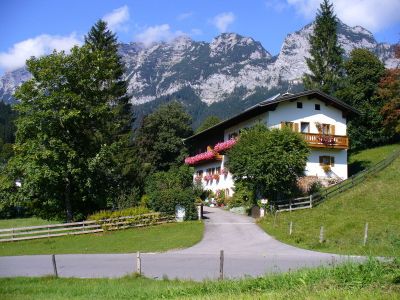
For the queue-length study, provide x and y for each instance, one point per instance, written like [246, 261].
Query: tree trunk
[67, 200]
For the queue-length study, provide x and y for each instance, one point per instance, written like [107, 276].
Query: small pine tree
[326, 61]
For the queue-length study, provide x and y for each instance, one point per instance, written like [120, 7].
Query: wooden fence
[54, 230]
[317, 198]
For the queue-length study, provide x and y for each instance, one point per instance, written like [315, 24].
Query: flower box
[192, 160]
[224, 145]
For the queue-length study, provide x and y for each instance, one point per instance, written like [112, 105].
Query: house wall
[288, 112]
[339, 169]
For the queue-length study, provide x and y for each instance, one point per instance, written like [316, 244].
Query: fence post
[221, 265]
[311, 201]
[321, 235]
[138, 264]
[290, 204]
[290, 228]
[48, 230]
[276, 212]
[12, 234]
[53, 260]
[365, 233]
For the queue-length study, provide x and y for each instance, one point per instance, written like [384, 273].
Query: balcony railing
[326, 141]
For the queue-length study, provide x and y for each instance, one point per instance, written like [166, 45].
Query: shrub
[243, 196]
[170, 188]
[109, 214]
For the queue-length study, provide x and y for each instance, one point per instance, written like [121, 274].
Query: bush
[128, 199]
[168, 189]
[109, 214]
[243, 196]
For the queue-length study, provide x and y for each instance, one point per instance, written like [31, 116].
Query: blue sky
[36, 27]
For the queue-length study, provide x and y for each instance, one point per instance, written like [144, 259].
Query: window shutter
[332, 161]
[332, 129]
[321, 160]
[296, 127]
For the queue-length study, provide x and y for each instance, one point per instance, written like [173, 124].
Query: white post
[321, 235]
[365, 233]
[290, 228]
[310, 201]
[138, 264]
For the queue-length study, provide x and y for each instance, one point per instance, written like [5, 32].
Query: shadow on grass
[358, 166]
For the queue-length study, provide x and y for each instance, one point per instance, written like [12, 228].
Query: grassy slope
[372, 280]
[376, 201]
[146, 239]
[24, 222]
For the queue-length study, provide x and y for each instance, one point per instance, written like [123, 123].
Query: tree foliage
[389, 93]
[364, 71]
[159, 139]
[208, 122]
[326, 62]
[166, 189]
[268, 161]
[7, 132]
[68, 133]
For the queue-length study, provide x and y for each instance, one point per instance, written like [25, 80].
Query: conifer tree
[326, 62]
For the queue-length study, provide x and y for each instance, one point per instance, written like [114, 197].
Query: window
[199, 173]
[293, 126]
[317, 107]
[305, 127]
[218, 170]
[299, 104]
[327, 161]
[232, 135]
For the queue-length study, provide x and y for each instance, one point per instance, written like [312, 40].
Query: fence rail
[85, 227]
[317, 198]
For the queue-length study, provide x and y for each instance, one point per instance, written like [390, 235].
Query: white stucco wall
[224, 182]
[288, 112]
[313, 167]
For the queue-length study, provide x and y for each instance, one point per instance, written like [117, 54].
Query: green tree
[326, 61]
[7, 132]
[64, 151]
[159, 139]
[101, 39]
[166, 189]
[208, 122]
[268, 162]
[364, 71]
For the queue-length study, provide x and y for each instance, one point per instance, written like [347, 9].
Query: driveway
[248, 251]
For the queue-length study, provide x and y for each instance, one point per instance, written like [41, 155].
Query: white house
[319, 117]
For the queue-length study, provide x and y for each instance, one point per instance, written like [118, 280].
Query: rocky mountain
[222, 77]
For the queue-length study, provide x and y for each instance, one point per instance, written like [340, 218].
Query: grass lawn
[376, 201]
[358, 161]
[147, 239]
[372, 280]
[24, 222]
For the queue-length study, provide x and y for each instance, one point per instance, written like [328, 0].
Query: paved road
[248, 250]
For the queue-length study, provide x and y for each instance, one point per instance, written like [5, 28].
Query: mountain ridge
[231, 68]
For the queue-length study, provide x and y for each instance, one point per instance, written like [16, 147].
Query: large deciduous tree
[159, 140]
[326, 61]
[68, 132]
[208, 122]
[364, 71]
[268, 162]
[389, 93]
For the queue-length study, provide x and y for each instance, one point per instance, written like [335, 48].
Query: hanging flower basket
[198, 179]
[225, 145]
[208, 177]
[326, 139]
[224, 171]
[216, 176]
[192, 160]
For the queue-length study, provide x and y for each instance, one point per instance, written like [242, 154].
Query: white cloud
[374, 15]
[185, 16]
[116, 19]
[223, 20]
[196, 31]
[157, 33]
[276, 5]
[38, 46]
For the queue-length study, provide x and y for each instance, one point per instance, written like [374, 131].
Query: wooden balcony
[316, 140]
